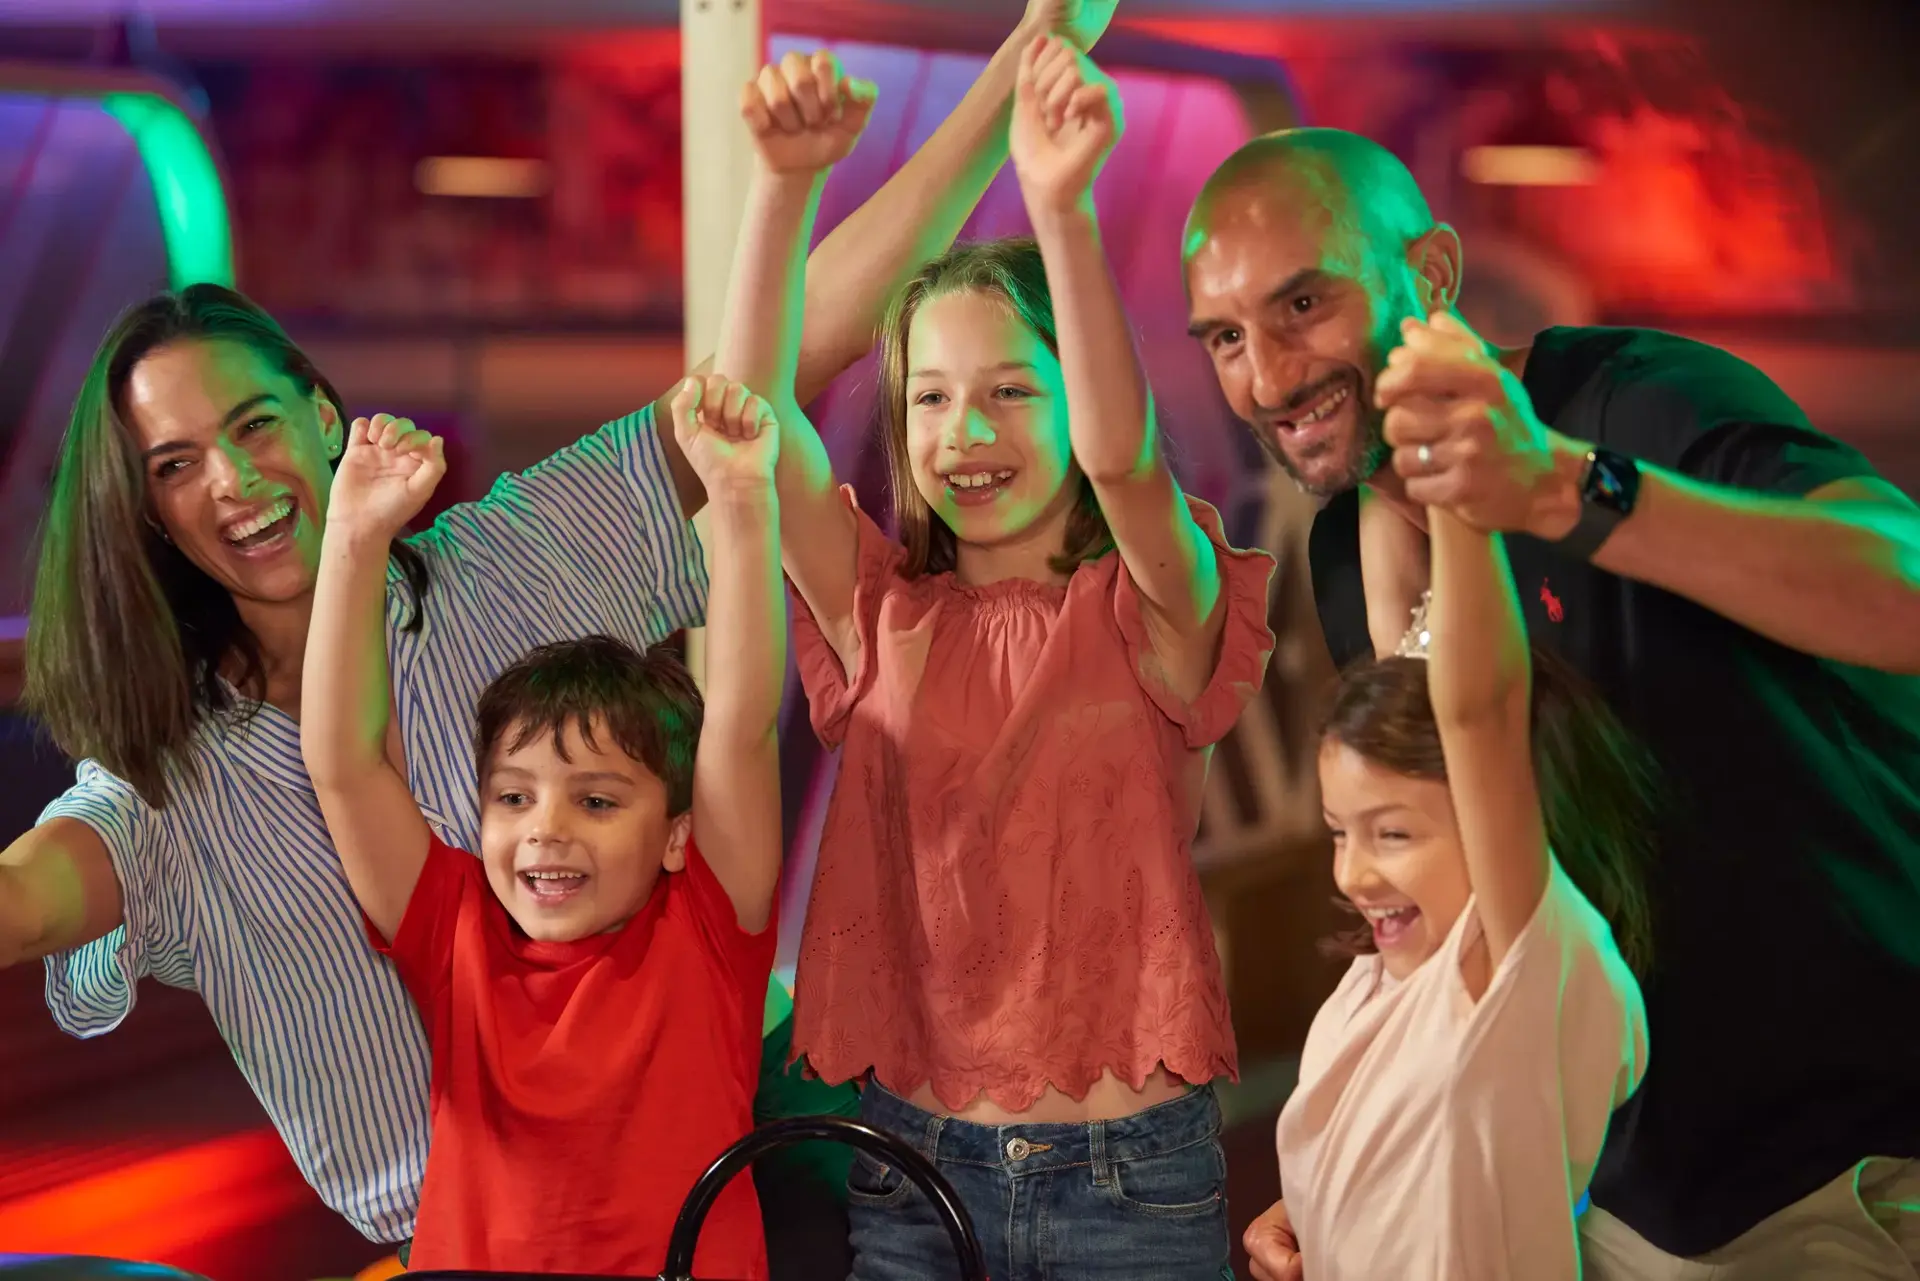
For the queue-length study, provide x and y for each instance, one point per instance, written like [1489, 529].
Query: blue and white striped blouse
[234, 889]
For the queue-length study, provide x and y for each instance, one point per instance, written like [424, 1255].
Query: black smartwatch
[1609, 487]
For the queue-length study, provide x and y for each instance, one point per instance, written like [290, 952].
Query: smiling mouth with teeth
[1391, 924]
[552, 883]
[263, 528]
[1325, 407]
[978, 480]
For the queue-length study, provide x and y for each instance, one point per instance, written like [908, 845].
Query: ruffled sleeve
[833, 692]
[1246, 642]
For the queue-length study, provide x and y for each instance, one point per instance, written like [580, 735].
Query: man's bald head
[1351, 183]
[1303, 254]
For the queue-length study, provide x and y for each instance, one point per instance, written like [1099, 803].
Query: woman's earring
[155, 526]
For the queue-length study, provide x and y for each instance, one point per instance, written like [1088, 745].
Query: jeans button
[1018, 1149]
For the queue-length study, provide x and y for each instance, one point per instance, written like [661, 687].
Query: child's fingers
[357, 432]
[1055, 56]
[779, 99]
[753, 108]
[747, 425]
[805, 89]
[856, 102]
[1089, 102]
[713, 400]
[1056, 53]
[1059, 81]
[734, 411]
[392, 431]
[685, 402]
[1031, 55]
[433, 464]
[759, 417]
[827, 79]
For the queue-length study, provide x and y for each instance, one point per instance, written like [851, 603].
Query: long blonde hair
[1010, 270]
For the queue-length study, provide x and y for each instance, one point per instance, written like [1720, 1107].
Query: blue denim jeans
[1141, 1198]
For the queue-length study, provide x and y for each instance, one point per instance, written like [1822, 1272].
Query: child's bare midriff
[1108, 1099]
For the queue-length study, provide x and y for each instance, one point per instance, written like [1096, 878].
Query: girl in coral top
[1006, 939]
[1489, 819]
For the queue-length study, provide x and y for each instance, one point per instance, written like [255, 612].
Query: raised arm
[804, 117]
[1393, 568]
[733, 441]
[57, 891]
[1834, 571]
[914, 217]
[1066, 121]
[1479, 677]
[387, 474]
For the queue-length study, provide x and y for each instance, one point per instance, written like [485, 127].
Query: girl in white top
[1455, 1089]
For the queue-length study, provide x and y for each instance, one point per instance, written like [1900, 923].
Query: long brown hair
[1011, 271]
[1599, 790]
[125, 635]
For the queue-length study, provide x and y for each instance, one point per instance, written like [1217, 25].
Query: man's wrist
[1555, 508]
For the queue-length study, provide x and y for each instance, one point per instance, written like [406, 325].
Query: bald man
[1746, 593]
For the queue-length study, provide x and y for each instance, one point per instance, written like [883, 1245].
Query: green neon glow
[186, 187]
[779, 1005]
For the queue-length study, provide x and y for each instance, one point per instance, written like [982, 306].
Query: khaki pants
[1865, 1224]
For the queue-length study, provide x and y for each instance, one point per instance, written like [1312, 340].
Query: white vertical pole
[721, 47]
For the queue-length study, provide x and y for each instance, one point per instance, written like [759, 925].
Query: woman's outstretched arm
[804, 117]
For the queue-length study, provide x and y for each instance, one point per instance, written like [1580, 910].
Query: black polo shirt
[1784, 1002]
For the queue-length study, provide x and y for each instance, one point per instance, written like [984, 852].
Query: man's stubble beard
[1371, 454]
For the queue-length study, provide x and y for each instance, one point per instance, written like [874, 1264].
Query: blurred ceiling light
[1530, 166]
[481, 176]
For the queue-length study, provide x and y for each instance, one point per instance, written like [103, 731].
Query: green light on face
[186, 187]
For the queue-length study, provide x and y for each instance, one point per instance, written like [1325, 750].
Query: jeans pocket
[874, 1182]
[1187, 1183]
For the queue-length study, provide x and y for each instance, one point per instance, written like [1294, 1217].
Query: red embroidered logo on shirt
[1554, 612]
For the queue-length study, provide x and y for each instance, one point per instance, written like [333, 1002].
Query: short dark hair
[1599, 789]
[647, 702]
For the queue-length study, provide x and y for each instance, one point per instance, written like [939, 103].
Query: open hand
[805, 115]
[1272, 1248]
[729, 435]
[1465, 437]
[1081, 21]
[1066, 119]
[389, 471]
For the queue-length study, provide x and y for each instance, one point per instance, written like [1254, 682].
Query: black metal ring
[833, 1129]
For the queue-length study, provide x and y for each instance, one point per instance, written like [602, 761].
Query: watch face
[1611, 482]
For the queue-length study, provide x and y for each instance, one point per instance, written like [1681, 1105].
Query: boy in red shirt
[592, 984]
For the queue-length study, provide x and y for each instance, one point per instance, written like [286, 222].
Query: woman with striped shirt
[168, 629]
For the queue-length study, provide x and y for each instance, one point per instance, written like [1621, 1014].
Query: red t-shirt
[580, 1088]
